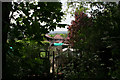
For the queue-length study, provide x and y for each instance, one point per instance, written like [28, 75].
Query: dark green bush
[24, 60]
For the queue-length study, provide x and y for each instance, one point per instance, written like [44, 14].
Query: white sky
[68, 18]
[66, 21]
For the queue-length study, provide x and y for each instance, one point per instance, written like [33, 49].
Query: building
[50, 39]
[66, 41]
[58, 39]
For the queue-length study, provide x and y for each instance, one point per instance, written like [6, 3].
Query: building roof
[58, 37]
[66, 42]
[67, 38]
[48, 36]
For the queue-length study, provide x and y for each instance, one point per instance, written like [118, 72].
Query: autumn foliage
[81, 21]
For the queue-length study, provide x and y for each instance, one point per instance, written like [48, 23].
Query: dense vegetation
[96, 40]
[98, 46]
[23, 39]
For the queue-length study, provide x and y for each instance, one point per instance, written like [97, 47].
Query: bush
[24, 60]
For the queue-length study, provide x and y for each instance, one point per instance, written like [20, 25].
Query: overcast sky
[68, 18]
[66, 21]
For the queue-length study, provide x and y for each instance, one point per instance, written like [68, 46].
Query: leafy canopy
[34, 19]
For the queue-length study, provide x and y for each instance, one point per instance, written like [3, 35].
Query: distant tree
[51, 35]
[63, 35]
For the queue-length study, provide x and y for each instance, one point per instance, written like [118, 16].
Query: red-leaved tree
[81, 22]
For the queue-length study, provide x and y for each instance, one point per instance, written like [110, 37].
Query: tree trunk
[6, 7]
